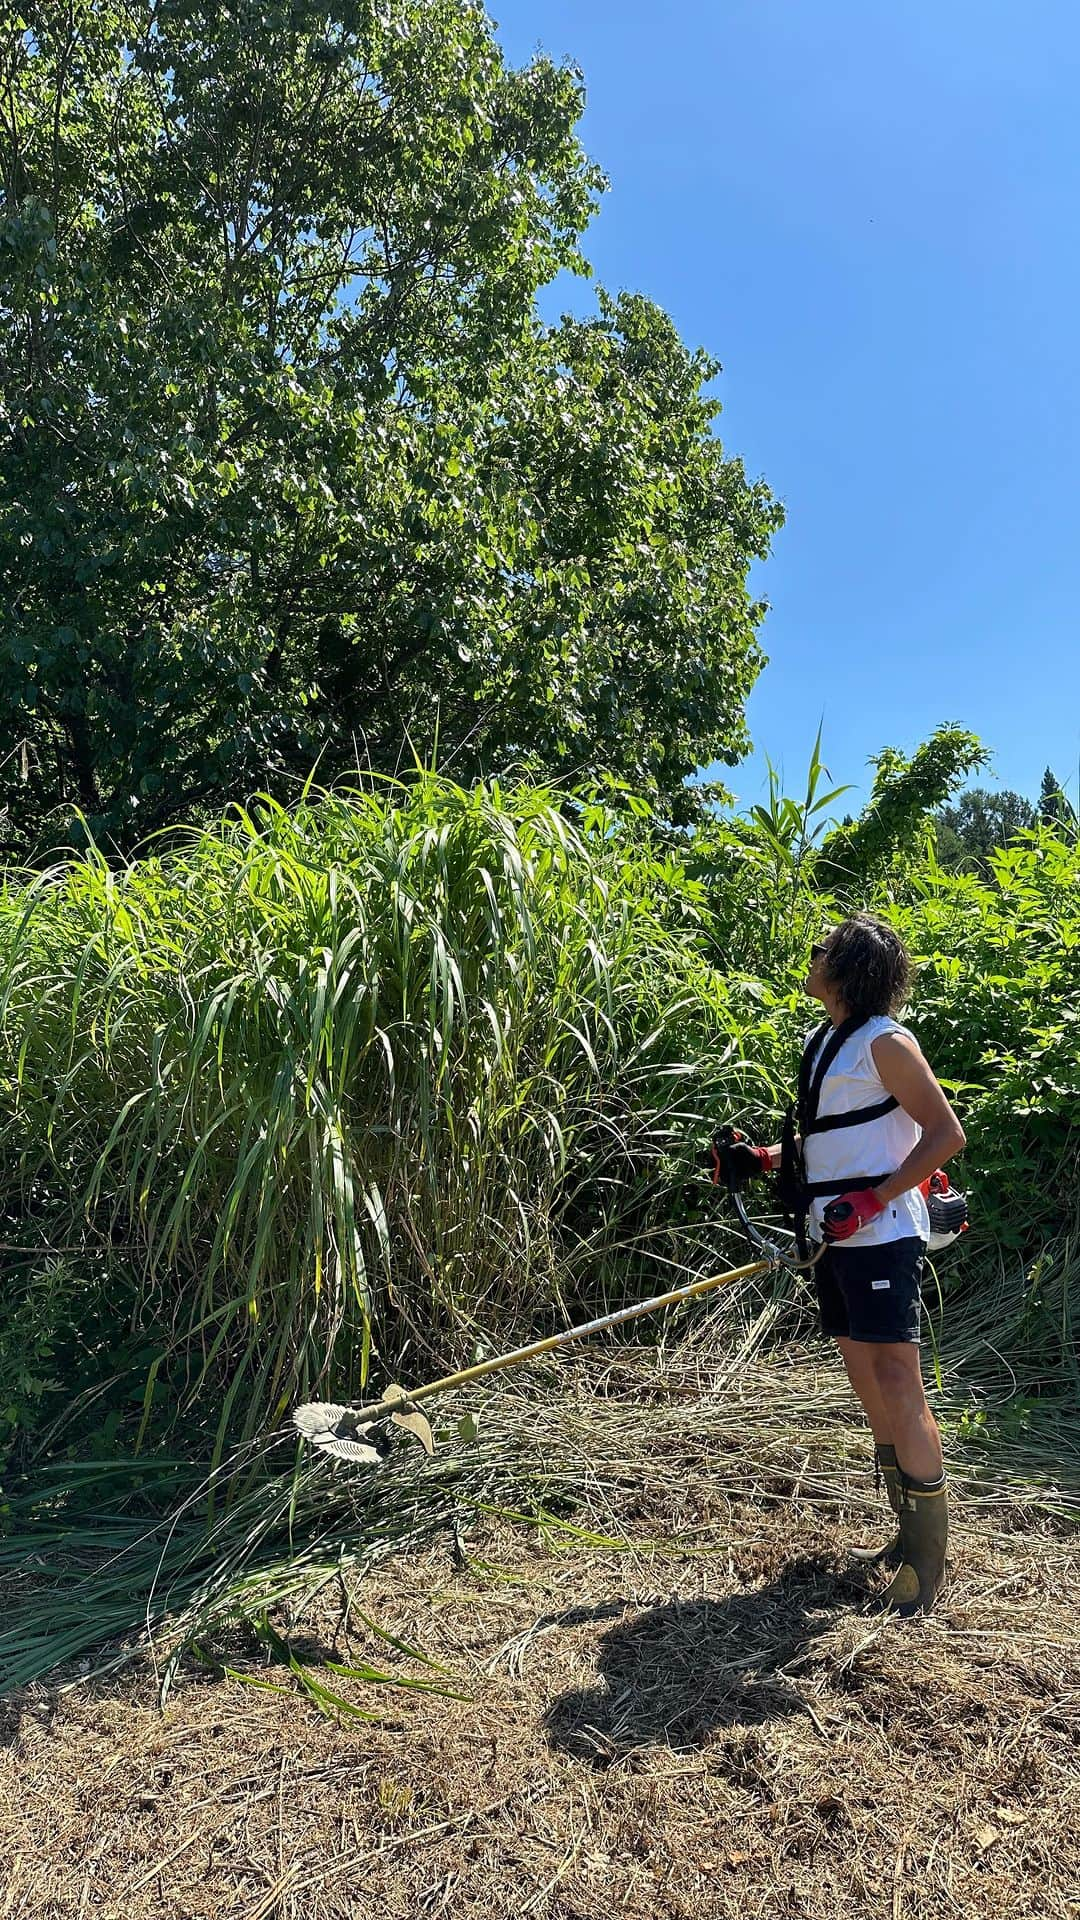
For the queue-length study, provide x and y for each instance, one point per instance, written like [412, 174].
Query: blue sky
[869, 214]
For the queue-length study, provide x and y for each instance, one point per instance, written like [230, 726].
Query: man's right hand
[734, 1159]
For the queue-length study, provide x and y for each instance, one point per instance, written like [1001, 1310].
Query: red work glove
[850, 1213]
[734, 1159]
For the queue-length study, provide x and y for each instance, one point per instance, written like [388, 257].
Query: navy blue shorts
[872, 1293]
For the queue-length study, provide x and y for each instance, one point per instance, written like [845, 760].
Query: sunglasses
[817, 950]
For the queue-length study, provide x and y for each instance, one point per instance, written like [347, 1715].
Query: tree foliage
[1055, 808]
[970, 828]
[291, 471]
[896, 820]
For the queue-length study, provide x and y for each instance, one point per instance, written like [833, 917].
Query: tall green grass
[356, 1078]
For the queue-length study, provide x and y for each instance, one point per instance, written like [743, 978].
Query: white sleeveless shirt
[874, 1147]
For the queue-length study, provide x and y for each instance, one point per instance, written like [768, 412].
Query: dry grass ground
[680, 1711]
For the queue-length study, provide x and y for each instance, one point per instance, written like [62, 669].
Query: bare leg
[856, 1355]
[902, 1400]
[860, 1372]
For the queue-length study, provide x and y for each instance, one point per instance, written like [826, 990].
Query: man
[874, 1124]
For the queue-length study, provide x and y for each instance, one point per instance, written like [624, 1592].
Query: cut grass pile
[647, 1686]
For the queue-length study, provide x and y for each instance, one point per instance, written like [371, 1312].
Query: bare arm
[905, 1074]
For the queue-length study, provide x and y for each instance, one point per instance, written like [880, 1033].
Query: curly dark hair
[868, 964]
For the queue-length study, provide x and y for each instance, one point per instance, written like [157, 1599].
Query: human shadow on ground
[673, 1674]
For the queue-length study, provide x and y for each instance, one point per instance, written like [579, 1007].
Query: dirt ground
[692, 1716]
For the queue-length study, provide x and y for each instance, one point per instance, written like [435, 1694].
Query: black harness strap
[858, 1183]
[789, 1182]
[812, 1079]
[809, 1090]
[856, 1118]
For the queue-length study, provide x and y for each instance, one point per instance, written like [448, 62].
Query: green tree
[1055, 807]
[978, 822]
[291, 472]
[893, 826]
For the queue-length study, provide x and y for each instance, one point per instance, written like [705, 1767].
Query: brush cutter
[361, 1434]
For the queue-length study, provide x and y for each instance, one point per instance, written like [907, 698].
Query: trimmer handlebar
[722, 1172]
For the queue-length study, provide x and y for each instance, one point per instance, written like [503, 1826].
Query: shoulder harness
[795, 1190]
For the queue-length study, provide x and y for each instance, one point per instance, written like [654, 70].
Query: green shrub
[997, 1008]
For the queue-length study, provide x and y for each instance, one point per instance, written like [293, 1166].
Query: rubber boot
[885, 1468]
[924, 1539]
